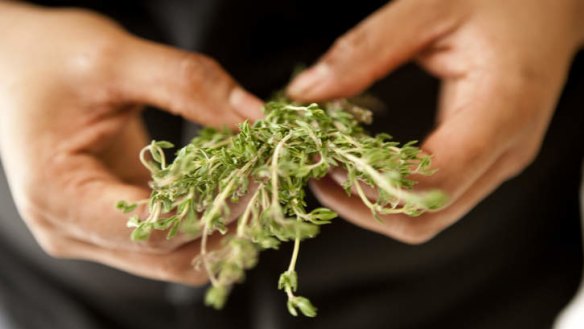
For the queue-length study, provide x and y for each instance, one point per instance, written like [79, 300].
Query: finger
[412, 230]
[176, 266]
[82, 203]
[469, 140]
[340, 176]
[482, 139]
[191, 85]
[93, 217]
[482, 116]
[91, 173]
[172, 267]
[382, 42]
[121, 156]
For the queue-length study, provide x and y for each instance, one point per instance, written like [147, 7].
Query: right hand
[70, 130]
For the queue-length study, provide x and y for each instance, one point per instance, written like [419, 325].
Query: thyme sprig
[267, 166]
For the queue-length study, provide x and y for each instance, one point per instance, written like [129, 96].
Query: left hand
[502, 63]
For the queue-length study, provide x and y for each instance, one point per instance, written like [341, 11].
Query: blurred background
[573, 316]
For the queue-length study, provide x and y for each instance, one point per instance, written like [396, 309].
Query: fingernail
[304, 85]
[246, 104]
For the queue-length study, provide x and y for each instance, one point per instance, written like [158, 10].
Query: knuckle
[52, 246]
[416, 232]
[181, 273]
[349, 42]
[523, 77]
[520, 160]
[198, 70]
[92, 69]
[155, 248]
[190, 70]
[346, 46]
[49, 242]
[357, 46]
[31, 205]
[528, 74]
[97, 56]
[472, 151]
[476, 148]
[159, 245]
[97, 44]
[202, 83]
[28, 211]
[416, 237]
[165, 270]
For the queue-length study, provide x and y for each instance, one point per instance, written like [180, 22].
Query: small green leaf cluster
[267, 166]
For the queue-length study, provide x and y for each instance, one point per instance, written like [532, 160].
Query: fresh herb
[267, 166]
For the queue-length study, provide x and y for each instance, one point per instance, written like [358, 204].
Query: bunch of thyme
[267, 165]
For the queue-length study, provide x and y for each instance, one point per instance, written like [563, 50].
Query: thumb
[379, 44]
[183, 83]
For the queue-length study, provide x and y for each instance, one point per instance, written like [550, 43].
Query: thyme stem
[193, 193]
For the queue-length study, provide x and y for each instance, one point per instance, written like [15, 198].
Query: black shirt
[513, 262]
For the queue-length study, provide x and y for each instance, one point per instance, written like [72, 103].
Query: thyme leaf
[268, 164]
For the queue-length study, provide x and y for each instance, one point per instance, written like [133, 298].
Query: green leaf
[265, 168]
[142, 232]
[173, 230]
[216, 297]
[164, 144]
[190, 225]
[133, 221]
[164, 223]
[125, 206]
[304, 305]
[435, 199]
[322, 215]
[304, 230]
[291, 307]
[288, 279]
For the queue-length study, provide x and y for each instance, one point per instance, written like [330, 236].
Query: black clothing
[513, 262]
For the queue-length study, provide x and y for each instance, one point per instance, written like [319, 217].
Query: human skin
[73, 82]
[71, 90]
[502, 64]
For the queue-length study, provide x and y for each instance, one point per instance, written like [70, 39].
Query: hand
[502, 63]
[70, 130]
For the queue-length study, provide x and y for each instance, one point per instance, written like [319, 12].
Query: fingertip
[309, 85]
[246, 104]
